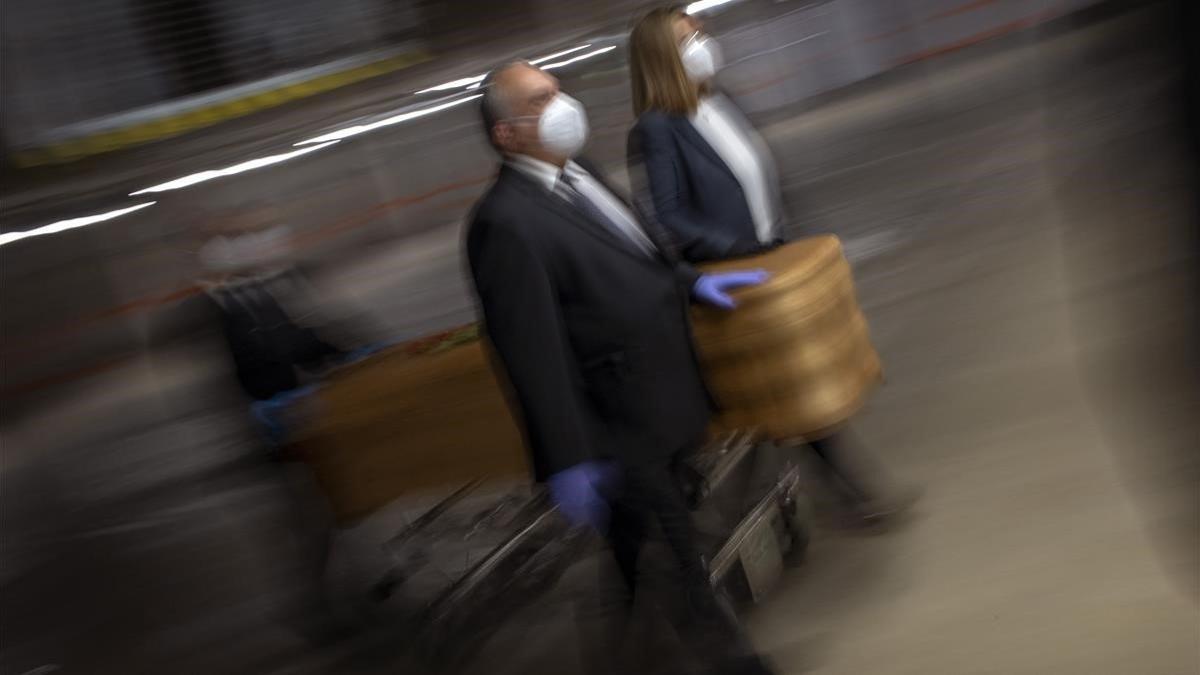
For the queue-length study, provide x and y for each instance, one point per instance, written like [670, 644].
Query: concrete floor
[1018, 217]
[1040, 381]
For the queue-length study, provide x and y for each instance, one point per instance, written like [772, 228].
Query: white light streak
[560, 64]
[203, 176]
[10, 237]
[475, 81]
[394, 119]
[555, 55]
[455, 84]
[703, 5]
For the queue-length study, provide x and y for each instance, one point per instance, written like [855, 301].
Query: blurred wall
[820, 46]
[61, 66]
[66, 66]
[105, 57]
[802, 51]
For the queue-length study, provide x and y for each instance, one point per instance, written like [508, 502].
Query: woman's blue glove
[711, 288]
[579, 493]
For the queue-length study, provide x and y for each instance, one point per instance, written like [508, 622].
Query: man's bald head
[514, 97]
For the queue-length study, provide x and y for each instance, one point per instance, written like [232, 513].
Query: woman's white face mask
[701, 57]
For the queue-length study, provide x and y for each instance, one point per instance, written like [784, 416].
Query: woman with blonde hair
[706, 175]
[695, 158]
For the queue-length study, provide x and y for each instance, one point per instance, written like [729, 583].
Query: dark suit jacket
[594, 335]
[694, 193]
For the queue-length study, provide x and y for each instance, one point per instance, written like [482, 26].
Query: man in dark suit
[588, 313]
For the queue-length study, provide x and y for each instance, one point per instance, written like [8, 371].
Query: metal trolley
[752, 518]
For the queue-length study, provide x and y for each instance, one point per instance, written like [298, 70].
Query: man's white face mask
[562, 126]
[701, 57]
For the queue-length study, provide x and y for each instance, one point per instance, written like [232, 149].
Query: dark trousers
[650, 493]
[846, 475]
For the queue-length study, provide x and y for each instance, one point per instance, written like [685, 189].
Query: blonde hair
[655, 68]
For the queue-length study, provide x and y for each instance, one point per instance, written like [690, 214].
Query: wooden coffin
[795, 359]
[409, 421]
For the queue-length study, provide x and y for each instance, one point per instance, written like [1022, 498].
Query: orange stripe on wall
[30, 386]
[1010, 27]
[37, 342]
[962, 9]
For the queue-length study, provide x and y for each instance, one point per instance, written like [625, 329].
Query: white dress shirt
[548, 176]
[744, 153]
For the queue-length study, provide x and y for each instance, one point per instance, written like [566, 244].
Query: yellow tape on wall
[174, 125]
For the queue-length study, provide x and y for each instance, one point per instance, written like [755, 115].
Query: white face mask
[247, 252]
[563, 126]
[701, 57]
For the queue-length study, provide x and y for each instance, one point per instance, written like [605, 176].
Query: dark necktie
[594, 213]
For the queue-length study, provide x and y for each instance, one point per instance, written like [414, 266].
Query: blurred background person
[248, 265]
[279, 336]
[709, 178]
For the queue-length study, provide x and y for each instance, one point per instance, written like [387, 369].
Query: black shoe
[888, 512]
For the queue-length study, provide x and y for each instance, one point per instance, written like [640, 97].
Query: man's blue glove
[711, 288]
[579, 493]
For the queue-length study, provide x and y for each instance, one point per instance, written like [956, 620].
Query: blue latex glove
[579, 493]
[363, 352]
[272, 413]
[711, 289]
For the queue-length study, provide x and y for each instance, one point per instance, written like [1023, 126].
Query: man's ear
[502, 134]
